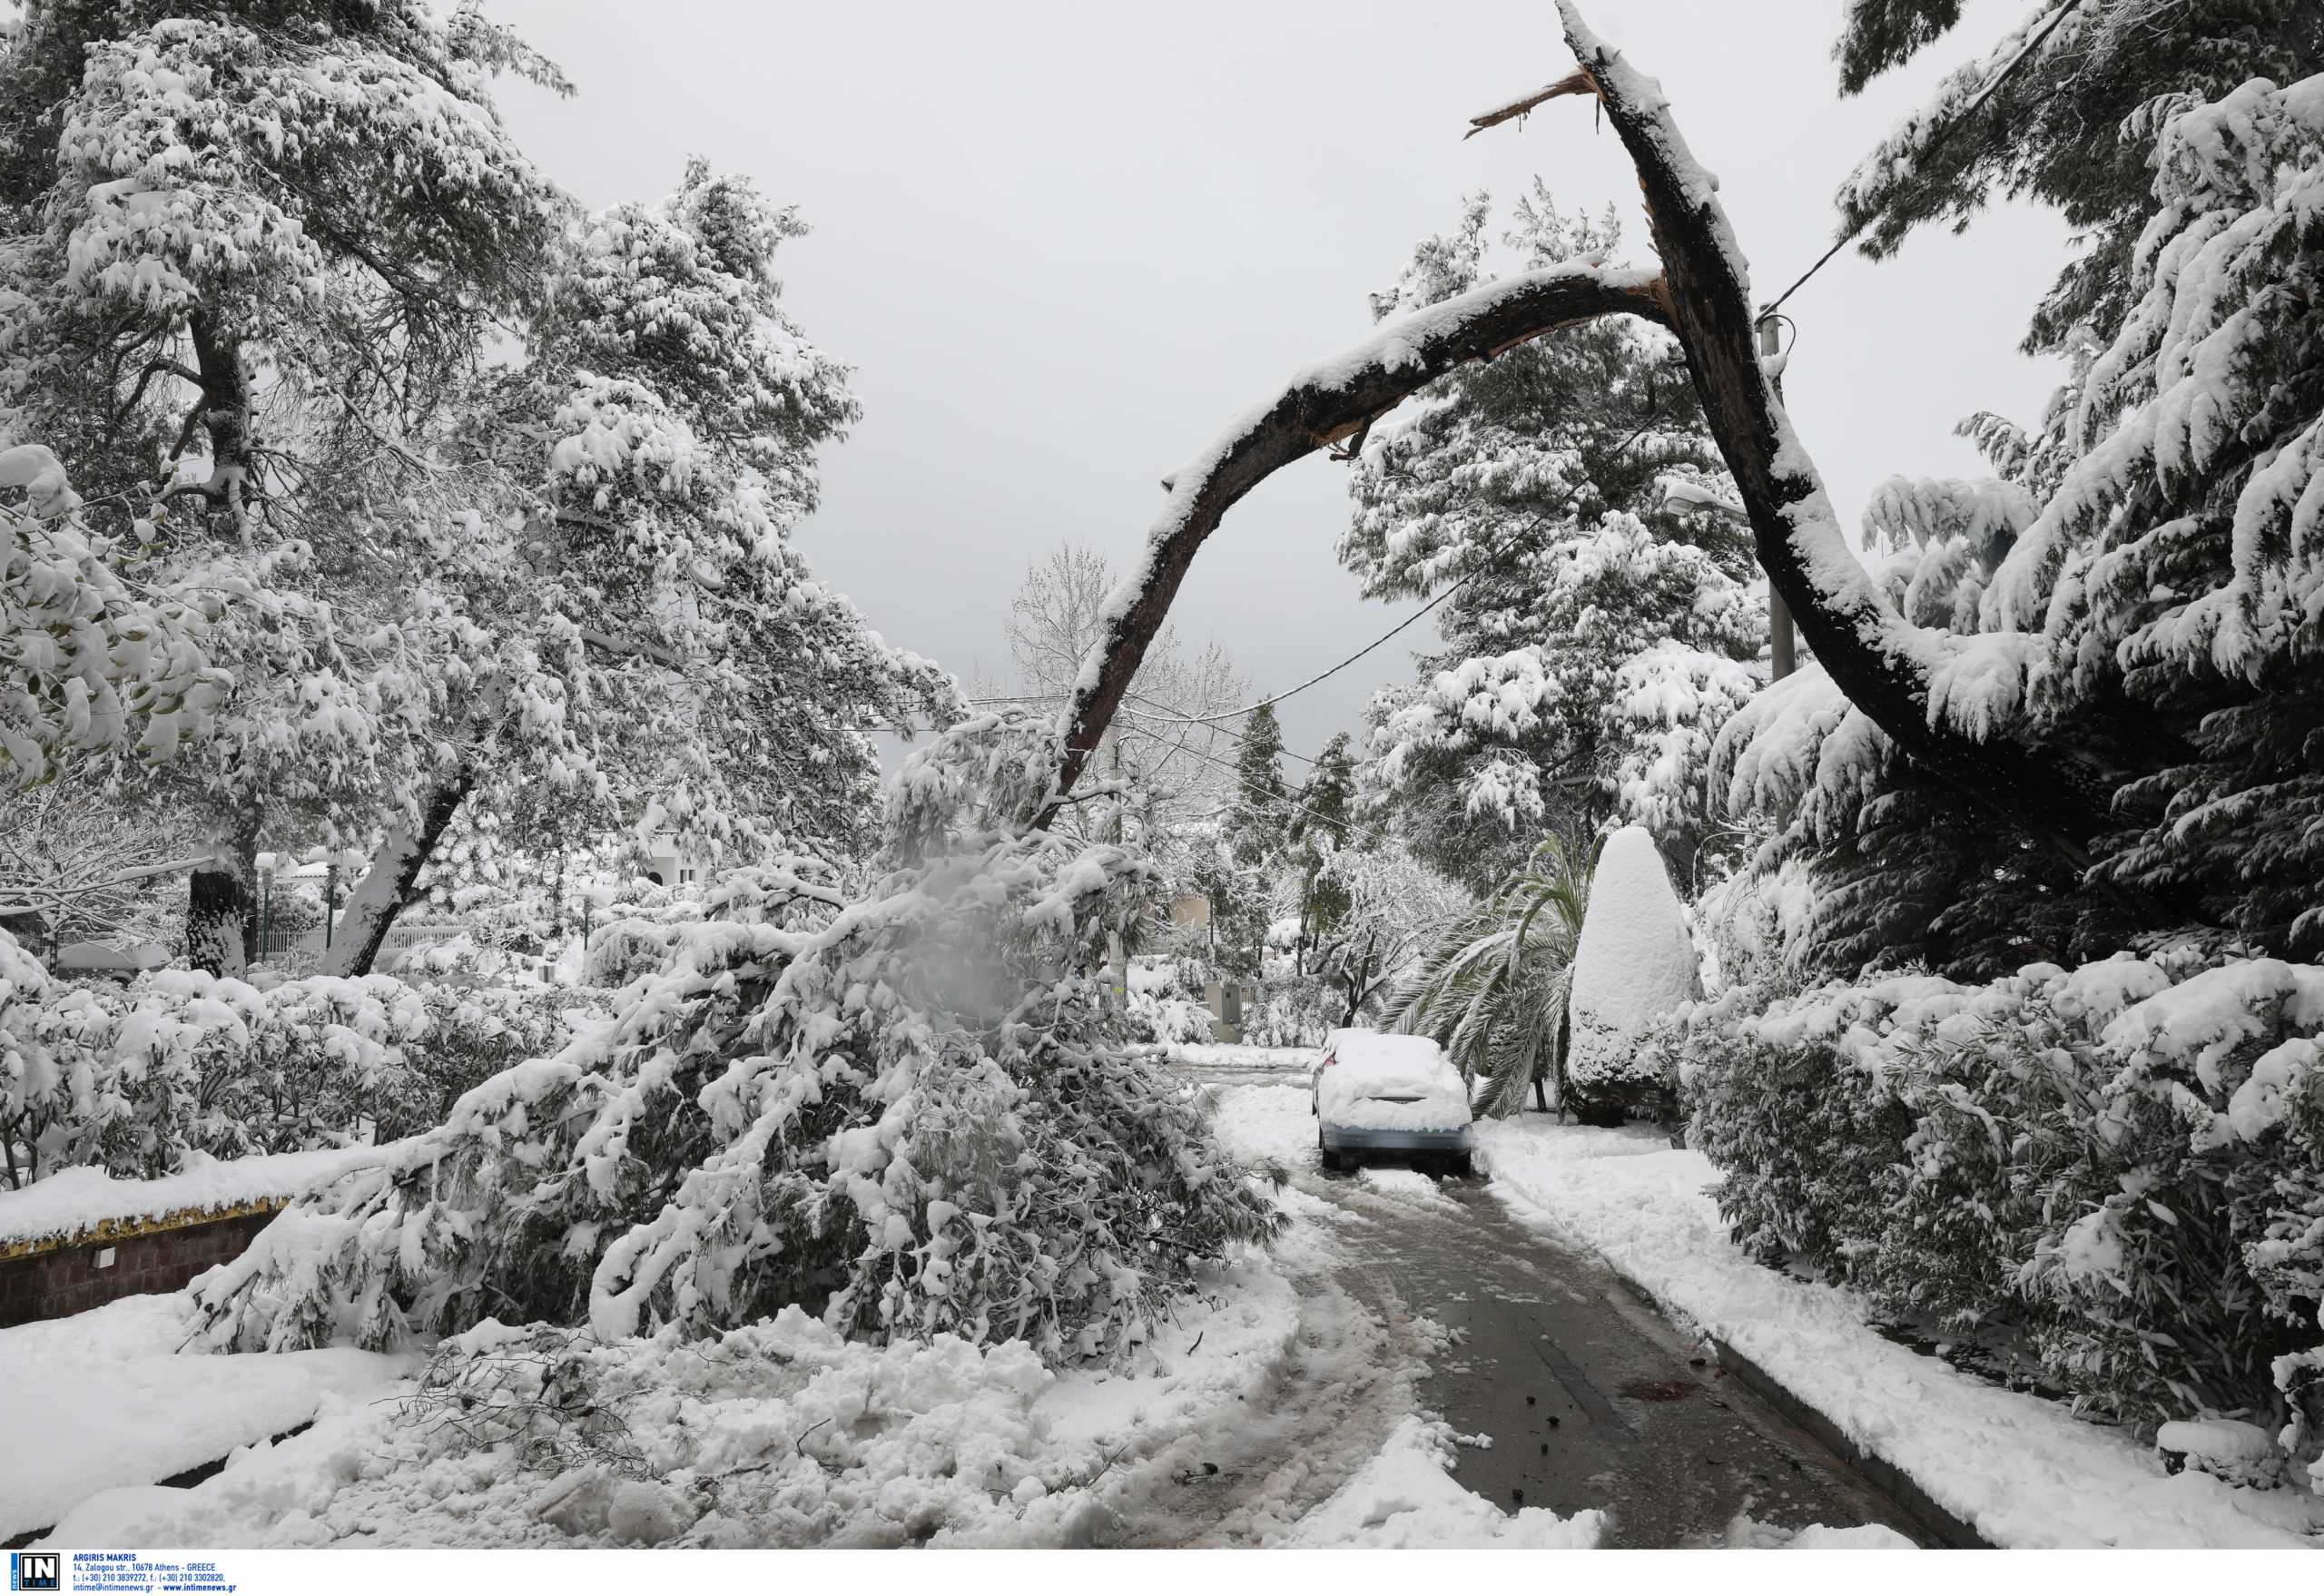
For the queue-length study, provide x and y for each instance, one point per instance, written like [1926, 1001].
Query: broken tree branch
[1888, 666]
[1576, 82]
[1314, 409]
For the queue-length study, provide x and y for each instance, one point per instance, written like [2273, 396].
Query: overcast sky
[1064, 244]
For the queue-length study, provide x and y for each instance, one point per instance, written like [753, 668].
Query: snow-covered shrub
[475, 1032]
[1164, 1006]
[912, 1114]
[1293, 1012]
[1633, 963]
[2123, 1164]
[133, 1079]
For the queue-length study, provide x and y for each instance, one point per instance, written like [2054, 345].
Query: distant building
[1189, 909]
[671, 865]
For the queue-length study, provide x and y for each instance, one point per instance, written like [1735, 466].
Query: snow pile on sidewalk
[1299, 1062]
[2020, 1470]
[1267, 1122]
[1405, 1498]
[1749, 1534]
[776, 1433]
[102, 1400]
[75, 1200]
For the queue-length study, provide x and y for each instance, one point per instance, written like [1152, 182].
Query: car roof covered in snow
[1356, 1045]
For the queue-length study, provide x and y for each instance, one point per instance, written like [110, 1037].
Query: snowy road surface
[1590, 1400]
[1404, 1363]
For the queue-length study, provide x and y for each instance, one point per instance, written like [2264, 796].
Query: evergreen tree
[2070, 126]
[2141, 584]
[1597, 633]
[1323, 826]
[1252, 841]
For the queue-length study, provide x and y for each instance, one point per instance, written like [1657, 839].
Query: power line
[1321, 675]
[1175, 717]
[1934, 145]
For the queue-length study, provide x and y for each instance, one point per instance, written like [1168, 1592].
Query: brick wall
[65, 1278]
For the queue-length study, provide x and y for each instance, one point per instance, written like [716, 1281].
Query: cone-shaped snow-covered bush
[910, 1112]
[1635, 962]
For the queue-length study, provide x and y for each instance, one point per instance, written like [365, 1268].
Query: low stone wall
[57, 1276]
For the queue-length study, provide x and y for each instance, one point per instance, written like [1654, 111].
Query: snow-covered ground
[2021, 1468]
[102, 1400]
[1275, 1411]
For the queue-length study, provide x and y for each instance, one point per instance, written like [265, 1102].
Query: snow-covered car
[1378, 1092]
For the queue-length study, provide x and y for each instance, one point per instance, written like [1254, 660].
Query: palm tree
[1492, 994]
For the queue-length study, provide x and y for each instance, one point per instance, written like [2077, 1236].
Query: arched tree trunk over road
[1888, 666]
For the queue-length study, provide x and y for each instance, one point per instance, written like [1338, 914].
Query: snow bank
[1634, 963]
[776, 1433]
[102, 1400]
[78, 1200]
[2020, 1470]
[1748, 1533]
[1405, 1498]
[1263, 1122]
[1235, 1056]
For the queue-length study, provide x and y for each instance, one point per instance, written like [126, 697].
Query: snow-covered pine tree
[682, 669]
[2138, 583]
[1599, 635]
[1904, 872]
[2053, 129]
[1321, 826]
[1242, 877]
[251, 250]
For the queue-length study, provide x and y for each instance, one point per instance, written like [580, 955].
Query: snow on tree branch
[1317, 407]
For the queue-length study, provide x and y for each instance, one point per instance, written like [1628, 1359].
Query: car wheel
[1463, 1165]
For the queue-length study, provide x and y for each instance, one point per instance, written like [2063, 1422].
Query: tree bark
[225, 415]
[221, 907]
[386, 889]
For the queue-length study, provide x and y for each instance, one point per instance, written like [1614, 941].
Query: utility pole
[1119, 944]
[1781, 654]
